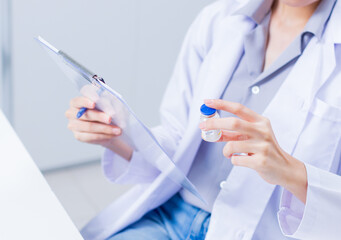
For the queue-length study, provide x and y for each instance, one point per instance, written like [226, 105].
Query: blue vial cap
[207, 111]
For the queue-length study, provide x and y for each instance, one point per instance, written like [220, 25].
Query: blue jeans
[174, 220]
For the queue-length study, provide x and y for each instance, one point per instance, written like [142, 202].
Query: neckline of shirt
[314, 27]
[257, 10]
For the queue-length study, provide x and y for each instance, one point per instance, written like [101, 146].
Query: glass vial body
[209, 113]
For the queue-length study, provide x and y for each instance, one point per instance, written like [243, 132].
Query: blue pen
[81, 112]
[83, 109]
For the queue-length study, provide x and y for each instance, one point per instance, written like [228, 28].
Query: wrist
[119, 147]
[296, 178]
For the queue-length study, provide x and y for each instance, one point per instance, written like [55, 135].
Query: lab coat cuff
[297, 219]
[121, 171]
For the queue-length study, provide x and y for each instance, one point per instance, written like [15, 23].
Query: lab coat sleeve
[174, 111]
[320, 217]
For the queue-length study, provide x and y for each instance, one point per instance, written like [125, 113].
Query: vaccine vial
[208, 113]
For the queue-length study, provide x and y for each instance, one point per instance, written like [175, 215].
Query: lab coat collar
[256, 10]
[335, 19]
[334, 30]
[319, 19]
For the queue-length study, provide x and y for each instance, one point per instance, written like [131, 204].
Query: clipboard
[134, 132]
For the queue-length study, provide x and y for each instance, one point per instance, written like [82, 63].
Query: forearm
[120, 148]
[295, 178]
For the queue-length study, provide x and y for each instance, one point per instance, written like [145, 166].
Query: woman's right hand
[95, 127]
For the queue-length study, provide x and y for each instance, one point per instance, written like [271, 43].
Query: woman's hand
[252, 135]
[95, 127]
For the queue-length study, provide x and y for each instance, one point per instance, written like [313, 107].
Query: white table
[28, 207]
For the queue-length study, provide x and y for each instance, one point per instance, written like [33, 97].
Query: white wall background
[133, 44]
[5, 40]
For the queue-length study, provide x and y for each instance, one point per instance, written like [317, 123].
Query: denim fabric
[174, 220]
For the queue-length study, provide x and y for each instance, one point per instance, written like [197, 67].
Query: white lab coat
[305, 115]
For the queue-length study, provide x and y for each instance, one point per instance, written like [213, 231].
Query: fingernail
[109, 120]
[116, 131]
[202, 126]
[208, 101]
[92, 105]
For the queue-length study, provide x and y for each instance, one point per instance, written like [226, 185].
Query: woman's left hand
[252, 135]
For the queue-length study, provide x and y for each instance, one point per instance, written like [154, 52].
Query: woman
[272, 68]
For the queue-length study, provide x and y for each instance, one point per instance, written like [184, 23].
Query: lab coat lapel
[215, 73]
[290, 106]
[243, 199]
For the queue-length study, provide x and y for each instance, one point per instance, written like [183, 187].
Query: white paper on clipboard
[135, 133]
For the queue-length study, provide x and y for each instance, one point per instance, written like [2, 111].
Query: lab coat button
[223, 184]
[255, 90]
